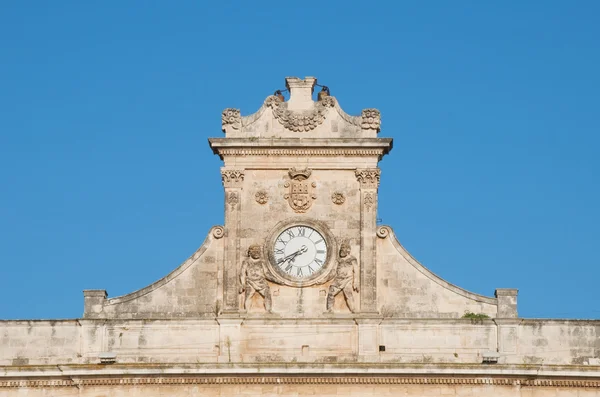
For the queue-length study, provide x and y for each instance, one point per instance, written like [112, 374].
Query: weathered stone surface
[291, 163]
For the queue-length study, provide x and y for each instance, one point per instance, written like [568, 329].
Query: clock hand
[291, 256]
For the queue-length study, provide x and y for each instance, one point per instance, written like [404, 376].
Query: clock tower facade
[301, 179]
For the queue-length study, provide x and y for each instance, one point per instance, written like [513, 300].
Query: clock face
[300, 252]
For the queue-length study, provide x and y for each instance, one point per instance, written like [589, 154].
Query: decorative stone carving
[257, 151]
[369, 200]
[368, 177]
[232, 177]
[261, 197]
[232, 117]
[254, 276]
[233, 199]
[346, 278]
[300, 194]
[338, 198]
[218, 232]
[383, 232]
[370, 119]
[299, 121]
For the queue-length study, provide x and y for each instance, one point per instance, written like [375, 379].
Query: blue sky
[105, 109]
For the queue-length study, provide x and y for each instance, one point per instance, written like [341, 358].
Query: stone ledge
[300, 380]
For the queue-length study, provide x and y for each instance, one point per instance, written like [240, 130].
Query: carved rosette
[261, 197]
[299, 121]
[370, 119]
[232, 117]
[338, 198]
[368, 177]
[232, 178]
[300, 194]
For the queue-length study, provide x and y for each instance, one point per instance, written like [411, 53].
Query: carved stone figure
[346, 278]
[254, 276]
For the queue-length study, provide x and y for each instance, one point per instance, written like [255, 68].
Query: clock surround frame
[319, 277]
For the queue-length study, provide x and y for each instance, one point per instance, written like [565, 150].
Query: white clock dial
[300, 251]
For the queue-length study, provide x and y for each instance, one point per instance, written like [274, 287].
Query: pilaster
[230, 336]
[368, 179]
[368, 339]
[507, 302]
[233, 180]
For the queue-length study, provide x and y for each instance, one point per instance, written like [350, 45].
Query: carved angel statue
[346, 278]
[254, 276]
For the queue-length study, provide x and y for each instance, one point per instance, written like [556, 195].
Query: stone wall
[278, 340]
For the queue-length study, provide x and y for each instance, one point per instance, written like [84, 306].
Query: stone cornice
[300, 147]
[128, 380]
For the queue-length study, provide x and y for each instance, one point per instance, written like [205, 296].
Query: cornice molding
[300, 152]
[296, 380]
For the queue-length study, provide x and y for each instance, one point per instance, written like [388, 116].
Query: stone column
[369, 182]
[232, 182]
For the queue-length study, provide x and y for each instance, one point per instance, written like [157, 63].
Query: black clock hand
[293, 255]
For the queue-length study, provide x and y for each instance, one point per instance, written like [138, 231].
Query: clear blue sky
[105, 109]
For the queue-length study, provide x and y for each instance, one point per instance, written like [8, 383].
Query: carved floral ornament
[338, 198]
[369, 200]
[299, 121]
[370, 119]
[232, 176]
[261, 197]
[368, 177]
[307, 120]
[233, 199]
[231, 116]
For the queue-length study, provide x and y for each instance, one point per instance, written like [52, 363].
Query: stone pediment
[297, 168]
[301, 117]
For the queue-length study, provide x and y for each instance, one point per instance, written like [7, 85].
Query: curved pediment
[301, 117]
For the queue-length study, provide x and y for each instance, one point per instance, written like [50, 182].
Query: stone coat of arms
[301, 195]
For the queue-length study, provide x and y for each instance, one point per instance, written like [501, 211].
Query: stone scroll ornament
[299, 121]
[300, 195]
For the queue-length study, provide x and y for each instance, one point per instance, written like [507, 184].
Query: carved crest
[300, 195]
